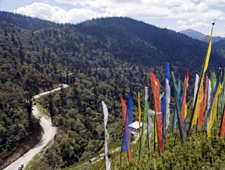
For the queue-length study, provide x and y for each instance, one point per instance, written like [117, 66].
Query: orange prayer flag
[156, 90]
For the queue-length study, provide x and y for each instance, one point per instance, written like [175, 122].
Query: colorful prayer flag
[213, 109]
[139, 111]
[166, 100]
[174, 121]
[203, 104]
[156, 90]
[144, 124]
[209, 95]
[196, 87]
[127, 129]
[178, 103]
[124, 110]
[105, 112]
[183, 114]
[213, 81]
[199, 96]
[150, 127]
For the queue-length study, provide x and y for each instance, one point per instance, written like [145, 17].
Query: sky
[172, 14]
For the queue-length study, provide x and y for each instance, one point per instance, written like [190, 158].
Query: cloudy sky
[173, 14]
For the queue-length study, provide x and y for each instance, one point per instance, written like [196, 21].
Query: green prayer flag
[144, 124]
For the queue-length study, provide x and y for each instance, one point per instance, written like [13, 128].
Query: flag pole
[148, 141]
[157, 137]
[218, 104]
[121, 151]
[121, 158]
[221, 120]
[154, 130]
[174, 113]
[201, 80]
[164, 119]
[180, 123]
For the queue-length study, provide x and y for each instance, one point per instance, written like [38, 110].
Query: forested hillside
[153, 45]
[100, 59]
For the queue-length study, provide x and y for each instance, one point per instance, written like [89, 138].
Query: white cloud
[181, 22]
[222, 34]
[187, 13]
[55, 13]
[151, 8]
[220, 3]
[194, 26]
[79, 15]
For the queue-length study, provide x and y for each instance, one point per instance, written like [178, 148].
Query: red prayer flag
[124, 109]
[184, 99]
[156, 90]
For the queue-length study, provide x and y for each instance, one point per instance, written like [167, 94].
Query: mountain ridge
[192, 33]
[200, 36]
[25, 22]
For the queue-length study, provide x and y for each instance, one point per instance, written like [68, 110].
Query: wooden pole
[157, 136]
[180, 124]
[222, 120]
[154, 131]
[120, 158]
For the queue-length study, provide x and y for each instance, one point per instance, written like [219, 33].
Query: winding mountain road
[49, 133]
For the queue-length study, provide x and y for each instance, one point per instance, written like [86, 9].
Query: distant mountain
[25, 22]
[198, 35]
[192, 33]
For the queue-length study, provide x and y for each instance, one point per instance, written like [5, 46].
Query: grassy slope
[198, 152]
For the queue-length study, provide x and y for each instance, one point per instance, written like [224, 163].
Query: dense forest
[100, 59]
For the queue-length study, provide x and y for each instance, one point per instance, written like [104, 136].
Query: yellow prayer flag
[156, 135]
[199, 95]
[185, 112]
[198, 104]
[139, 109]
[208, 53]
[213, 110]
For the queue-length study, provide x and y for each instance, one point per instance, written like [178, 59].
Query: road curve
[49, 133]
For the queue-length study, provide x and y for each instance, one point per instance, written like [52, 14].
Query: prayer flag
[124, 110]
[144, 124]
[156, 90]
[127, 129]
[105, 111]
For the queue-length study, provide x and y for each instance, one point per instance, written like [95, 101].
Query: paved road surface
[49, 133]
